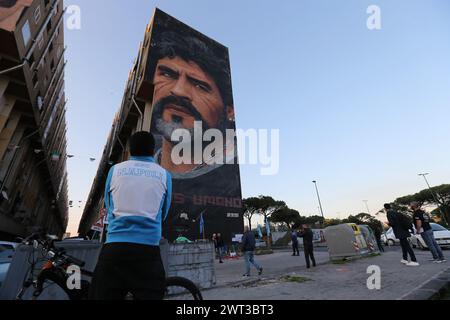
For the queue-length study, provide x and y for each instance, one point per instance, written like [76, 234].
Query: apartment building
[33, 176]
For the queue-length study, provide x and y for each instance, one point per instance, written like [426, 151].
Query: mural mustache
[166, 128]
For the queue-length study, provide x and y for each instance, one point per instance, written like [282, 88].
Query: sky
[361, 111]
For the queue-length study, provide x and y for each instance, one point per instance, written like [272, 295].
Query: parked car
[391, 239]
[441, 235]
[7, 250]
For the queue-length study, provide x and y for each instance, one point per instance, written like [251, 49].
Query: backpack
[405, 221]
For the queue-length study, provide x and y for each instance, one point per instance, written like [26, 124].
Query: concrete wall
[193, 261]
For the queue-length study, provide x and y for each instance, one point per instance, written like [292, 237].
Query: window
[40, 41]
[37, 14]
[6, 252]
[50, 48]
[437, 227]
[46, 2]
[40, 102]
[26, 33]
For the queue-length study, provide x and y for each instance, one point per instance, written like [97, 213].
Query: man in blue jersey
[137, 198]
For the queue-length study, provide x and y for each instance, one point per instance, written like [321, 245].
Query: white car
[7, 250]
[391, 239]
[441, 235]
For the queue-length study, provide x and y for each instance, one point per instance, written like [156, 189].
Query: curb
[433, 289]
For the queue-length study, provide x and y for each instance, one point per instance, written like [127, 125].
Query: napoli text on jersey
[138, 193]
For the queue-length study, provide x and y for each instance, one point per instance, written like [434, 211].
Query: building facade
[179, 76]
[33, 176]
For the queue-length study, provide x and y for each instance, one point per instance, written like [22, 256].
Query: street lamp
[367, 206]
[318, 197]
[435, 197]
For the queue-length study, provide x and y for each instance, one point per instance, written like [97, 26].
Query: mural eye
[177, 119]
[202, 87]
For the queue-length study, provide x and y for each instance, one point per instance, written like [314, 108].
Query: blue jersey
[138, 193]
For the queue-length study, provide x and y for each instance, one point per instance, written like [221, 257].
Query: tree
[269, 205]
[313, 220]
[251, 207]
[426, 197]
[287, 216]
[266, 206]
[365, 219]
[332, 222]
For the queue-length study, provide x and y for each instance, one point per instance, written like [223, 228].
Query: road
[326, 282]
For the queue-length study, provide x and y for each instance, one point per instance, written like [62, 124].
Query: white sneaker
[404, 261]
[413, 264]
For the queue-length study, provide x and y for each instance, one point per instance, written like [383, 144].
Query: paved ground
[327, 281]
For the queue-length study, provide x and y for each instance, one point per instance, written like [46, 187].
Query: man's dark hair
[387, 206]
[208, 57]
[7, 3]
[142, 144]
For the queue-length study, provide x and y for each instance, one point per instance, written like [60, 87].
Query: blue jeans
[249, 259]
[435, 249]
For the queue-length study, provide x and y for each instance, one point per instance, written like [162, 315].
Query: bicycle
[55, 272]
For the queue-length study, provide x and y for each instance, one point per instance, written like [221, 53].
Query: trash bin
[345, 240]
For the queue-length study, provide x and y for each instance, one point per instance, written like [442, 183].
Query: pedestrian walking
[294, 239]
[401, 228]
[423, 228]
[248, 248]
[308, 247]
[220, 247]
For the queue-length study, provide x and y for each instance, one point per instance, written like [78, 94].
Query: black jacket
[307, 236]
[400, 231]
[219, 242]
[248, 241]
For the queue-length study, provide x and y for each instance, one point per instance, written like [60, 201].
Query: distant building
[33, 176]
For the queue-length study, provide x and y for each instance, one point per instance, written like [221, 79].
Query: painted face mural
[10, 11]
[193, 121]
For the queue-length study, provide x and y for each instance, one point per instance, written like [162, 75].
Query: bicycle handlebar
[47, 242]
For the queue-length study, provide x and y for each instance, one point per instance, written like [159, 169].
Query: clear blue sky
[361, 111]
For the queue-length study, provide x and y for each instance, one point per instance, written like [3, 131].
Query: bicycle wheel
[178, 288]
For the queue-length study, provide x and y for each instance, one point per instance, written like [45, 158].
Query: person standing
[422, 223]
[248, 248]
[401, 232]
[220, 246]
[214, 240]
[308, 247]
[378, 230]
[294, 239]
[138, 195]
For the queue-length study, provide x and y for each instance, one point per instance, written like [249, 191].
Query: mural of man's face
[195, 95]
[10, 7]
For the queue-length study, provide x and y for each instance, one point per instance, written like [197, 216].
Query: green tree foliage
[425, 197]
[251, 207]
[286, 215]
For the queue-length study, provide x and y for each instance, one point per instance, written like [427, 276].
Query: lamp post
[318, 197]
[435, 197]
[367, 206]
